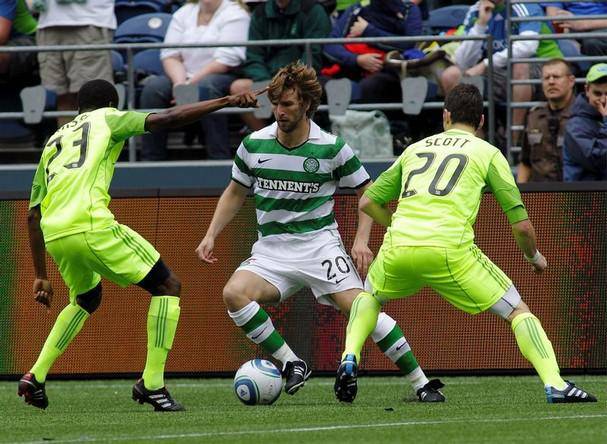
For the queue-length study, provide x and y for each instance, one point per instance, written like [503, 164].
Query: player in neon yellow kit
[430, 241]
[69, 216]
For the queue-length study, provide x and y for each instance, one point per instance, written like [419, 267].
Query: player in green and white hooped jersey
[294, 168]
[69, 218]
[438, 183]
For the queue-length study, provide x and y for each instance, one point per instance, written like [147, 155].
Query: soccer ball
[257, 382]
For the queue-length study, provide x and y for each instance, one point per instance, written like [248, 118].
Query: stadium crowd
[561, 139]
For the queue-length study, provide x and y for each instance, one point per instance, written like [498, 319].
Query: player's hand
[43, 292]
[247, 99]
[205, 250]
[538, 262]
[477, 70]
[370, 62]
[602, 108]
[485, 12]
[358, 27]
[362, 256]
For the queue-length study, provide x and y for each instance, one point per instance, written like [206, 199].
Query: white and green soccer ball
[257, 382]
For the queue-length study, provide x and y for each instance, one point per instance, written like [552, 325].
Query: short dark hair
[96, 94]
[465, 103]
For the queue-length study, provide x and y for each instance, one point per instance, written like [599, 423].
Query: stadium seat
[117, 61]
[146, 28]
[126, 9]
[264, 107]
[147, 62]
[446, 18]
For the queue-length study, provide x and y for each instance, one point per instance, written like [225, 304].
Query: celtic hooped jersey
[439, 182]
[294, 187]
[75, 170]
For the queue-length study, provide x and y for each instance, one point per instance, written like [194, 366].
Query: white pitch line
[316, 429]
[228, 383]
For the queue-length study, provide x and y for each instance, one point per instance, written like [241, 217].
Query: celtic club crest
[311, 165]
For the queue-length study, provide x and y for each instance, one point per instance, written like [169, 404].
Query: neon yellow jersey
[439, 182]
[75, 170]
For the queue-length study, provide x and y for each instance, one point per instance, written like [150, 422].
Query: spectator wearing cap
[590, 46]
[542, 150]
[585, 149]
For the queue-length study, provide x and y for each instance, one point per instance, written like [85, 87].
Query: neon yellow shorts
[465, 277]
[116, 253]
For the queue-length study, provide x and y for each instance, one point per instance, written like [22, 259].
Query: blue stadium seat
[144, 28]
[148, 62]
[126, 9]
[117, 62]
[447, 17]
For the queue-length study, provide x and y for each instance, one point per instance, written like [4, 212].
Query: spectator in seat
[585, 150]
[65, 22]
[488, 16]
[364, 64]
[212, 69]
[590, 46]
[275, 20]
[17, 28]
[542, 150]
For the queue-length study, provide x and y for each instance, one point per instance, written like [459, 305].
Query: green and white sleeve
[348, 170]
[241, 172]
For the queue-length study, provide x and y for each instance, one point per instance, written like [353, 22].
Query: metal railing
[510, 39]
[131, 48]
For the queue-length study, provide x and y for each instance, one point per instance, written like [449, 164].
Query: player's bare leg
[242, 295]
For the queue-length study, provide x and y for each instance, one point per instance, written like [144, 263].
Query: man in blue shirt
[591, 46]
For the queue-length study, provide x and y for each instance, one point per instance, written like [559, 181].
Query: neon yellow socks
[363, 319]
[163, 316]
[68, 324]
[537, 349]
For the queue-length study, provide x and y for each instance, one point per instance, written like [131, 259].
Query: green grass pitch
[478, 410]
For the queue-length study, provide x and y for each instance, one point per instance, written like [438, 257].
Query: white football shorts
[316, 260]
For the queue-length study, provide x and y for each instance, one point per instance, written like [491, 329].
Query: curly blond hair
[300, 77]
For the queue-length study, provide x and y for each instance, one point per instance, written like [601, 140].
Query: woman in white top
[205, 21]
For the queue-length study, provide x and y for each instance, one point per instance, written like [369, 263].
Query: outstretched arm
[229, 203]
[43, 291]
[184, 114]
